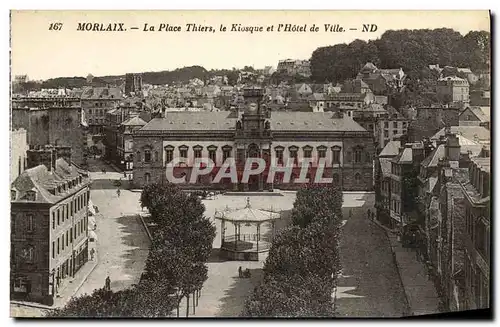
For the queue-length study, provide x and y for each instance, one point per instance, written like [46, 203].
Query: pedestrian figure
[240, 272]
[125, 174]
[95, 226]
[107, 285]
[350, 213]
[118, 192]
[92, 252]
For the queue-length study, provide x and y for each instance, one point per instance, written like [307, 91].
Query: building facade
[133, 83]
[18, 148]
[49, 217]
[453, 89]
[96, 101]
[56, 121]
[478, 235]
[255, 132]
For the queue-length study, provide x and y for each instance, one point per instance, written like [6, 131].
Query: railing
[247, 238]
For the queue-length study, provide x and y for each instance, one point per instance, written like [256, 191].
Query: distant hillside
[163, 77]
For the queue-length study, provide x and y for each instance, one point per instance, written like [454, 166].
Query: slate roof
[193, 121]
[466, 131]
[433, 158]
[102, 93]
[134, 121]
[312, 121]
[225, 121]
[482, 113]
[40, 180]
[390, 149]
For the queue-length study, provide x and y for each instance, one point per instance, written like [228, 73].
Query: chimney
[452, 147]
[63, 151]
[45, 156]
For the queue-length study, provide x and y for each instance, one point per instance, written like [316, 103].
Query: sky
[42, 53]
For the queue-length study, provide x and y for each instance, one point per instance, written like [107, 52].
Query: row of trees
[175, 266]
[301, 270]
[411, 50]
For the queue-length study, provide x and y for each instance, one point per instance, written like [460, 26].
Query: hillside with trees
[412, 50]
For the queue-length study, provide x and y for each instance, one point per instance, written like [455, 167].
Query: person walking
[92, 253]
[118, 192]
[107, 284]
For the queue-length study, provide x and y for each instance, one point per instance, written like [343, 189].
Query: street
[122, 244]
[369, 285]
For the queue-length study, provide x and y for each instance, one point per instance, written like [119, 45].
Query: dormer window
[13, 195]
[30, 196]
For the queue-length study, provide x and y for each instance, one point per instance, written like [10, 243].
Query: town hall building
[254, 131]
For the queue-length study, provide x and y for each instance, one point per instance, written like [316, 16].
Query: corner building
[255, 131]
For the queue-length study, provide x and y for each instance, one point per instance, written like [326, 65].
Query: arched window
[147, 177]
[147, 155]
[358, 153]
[357, 178]
[169, 153]
[138, 156]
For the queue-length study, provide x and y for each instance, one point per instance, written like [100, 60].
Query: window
[147, 177]
[480, 238]
[29, 223]
[307, 151]
[357, 178]
[147, 155]
[226, 152]
[357, 155]
[386, 133]
[336, 155]
[279, 154]
[386, 124]
[138, 156]
[321, 151]
[67, 238]
[293, 153]
[74, 232]
[58, 245]
[53, 250]
[62, 241]
[395, 124]
[212, 154]
[13, 195]
[169, 154]
[156, 155]
[71, 235]
[183, 151]
[53, 220]
[197, 151]
[30, 196]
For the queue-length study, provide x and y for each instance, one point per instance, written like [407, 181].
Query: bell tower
[253, 137]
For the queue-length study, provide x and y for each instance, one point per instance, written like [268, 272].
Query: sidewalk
[71, 287]
[420, 291]
[67, 290]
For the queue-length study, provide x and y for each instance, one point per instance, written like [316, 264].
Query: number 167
[55, 26]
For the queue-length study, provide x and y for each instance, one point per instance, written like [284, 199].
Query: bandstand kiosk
[247, 246]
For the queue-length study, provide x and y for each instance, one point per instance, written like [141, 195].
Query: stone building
[18, 147]
[56, 121]
[96, 101]
[429, 120]
[478, 235]
[255, 132]
[133, 83]
[49, 217]
[452, 90]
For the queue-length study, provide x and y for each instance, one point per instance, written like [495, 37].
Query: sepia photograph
[250, 164]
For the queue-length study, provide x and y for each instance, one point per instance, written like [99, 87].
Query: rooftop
[41, 181]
